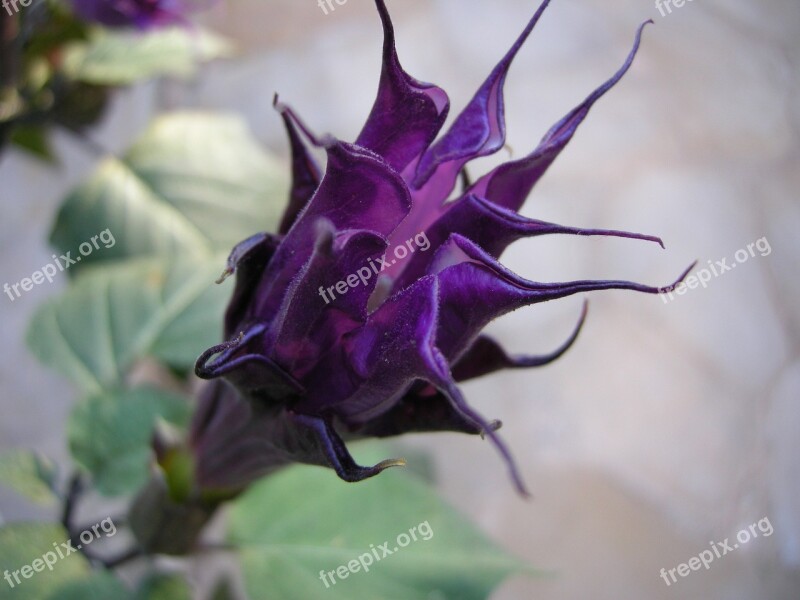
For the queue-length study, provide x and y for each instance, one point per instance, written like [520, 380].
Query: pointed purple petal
[477, 289]
[306, 174]
[480, 128]
[493, 228]
[509, 184]
[244, 364]
[407, 114]
[336, 451]
[394, 349]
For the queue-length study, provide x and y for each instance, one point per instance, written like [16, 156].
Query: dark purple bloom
[134, 13]
[380, 355]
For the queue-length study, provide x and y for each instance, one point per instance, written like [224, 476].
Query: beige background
[668, 425]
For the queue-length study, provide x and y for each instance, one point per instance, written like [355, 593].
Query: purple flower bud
[143, 14]
[363, 312]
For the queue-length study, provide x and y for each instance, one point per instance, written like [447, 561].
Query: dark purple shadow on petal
[486, 356]
[248, 260]
[422, 409]
[372, 367]
[510, 184]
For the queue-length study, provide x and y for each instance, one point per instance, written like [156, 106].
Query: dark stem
[74, 491]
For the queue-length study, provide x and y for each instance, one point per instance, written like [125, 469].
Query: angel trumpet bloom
[385, 356]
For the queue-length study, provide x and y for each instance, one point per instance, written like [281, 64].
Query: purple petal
[245, 365]
[306, 174]
[313, 319]
[422, 409]
[486, 356]
[478, 289]
[359, 191]
[335, 450]
[394, 349]
[407, 114]
[479, 130]
[248, 260]
[493, 228]
[509, 184]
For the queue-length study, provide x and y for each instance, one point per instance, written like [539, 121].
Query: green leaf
[164, 587]
[304, 520]
[113, 316]
[110, 434]
[29, 474]
[125, 57]
[23, 543]
[193, 184]
[101, 586]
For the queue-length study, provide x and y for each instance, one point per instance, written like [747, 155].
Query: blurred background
[669, 424]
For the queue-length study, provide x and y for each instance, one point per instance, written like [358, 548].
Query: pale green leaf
[193, 184]
[125, 57]
[113, 316]
[110, 435]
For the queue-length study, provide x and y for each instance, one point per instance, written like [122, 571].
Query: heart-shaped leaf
[192, 185]
[303, 533]
[113, 316]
